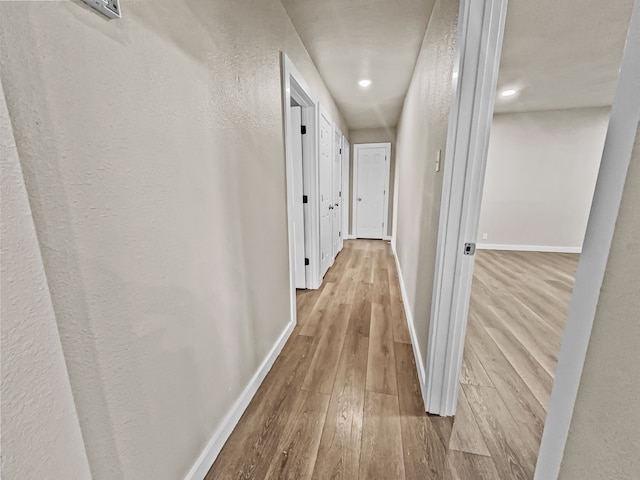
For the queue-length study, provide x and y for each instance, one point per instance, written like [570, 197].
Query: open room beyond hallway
[343, 399]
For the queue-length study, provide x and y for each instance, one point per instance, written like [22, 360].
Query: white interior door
[345, 187]
[326, 194]
[298, 207]
[337, 192]
[371, 177]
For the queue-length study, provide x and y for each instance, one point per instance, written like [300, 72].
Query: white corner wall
[40, 431]
[422, 131]
[541, 174]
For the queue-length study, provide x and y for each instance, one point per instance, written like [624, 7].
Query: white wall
[40, 430]
[153, 157]
[540, 178]
[422, 131]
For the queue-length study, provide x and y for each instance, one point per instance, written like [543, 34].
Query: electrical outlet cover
[109, 8]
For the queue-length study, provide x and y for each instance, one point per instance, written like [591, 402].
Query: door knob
[337, 205]
[359, 199]
[330, 207]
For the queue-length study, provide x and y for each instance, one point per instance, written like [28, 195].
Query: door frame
[469, 127]
[356, 149]
[474, 79]
[294, 86]
[337, 131]
[616, 158]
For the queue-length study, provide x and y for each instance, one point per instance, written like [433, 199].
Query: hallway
[343, 399]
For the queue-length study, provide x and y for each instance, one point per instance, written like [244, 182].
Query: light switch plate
[109, 8]
[438, 160]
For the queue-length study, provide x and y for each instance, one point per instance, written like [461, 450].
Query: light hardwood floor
[343, 399]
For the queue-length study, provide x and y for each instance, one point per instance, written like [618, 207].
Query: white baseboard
[422, 376]
[387, 237]
[222, 433]
[528, 248]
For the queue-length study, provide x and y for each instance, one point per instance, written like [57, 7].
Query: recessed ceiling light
[510, 92]
[364, 83]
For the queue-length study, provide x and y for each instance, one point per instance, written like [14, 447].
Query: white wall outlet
[438, 160]
[485, 236]
[109, 8]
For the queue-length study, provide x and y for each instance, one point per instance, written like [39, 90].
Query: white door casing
[325, 160]
[475, 74]
[298, 189]
[294, 87]
[337, 191]
[371, 188]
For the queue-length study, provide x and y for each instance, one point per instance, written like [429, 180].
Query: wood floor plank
[466, 466]
[466, 436]
[381, 367]
[517, 396]
[306, 302]
[339, 451]
[312, 326]
[473, 372]
[398, 319]
[259, 430]
[381, 456]
[360, 318]
[537, 378]
[424, 452]
[298, 446]
[539, 341]
[513, 456]
[322, 371]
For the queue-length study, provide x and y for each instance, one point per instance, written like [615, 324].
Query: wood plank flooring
[343, 400]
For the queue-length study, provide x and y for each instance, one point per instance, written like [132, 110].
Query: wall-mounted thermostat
[109, 8]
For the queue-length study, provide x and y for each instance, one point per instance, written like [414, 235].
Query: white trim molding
[354, 206]
[528, 248]
[616, 157]
[412, 330]
[476, 64]
[216, 442]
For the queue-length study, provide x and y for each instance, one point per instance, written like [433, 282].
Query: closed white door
[326, 195]
[298, 206]
[345, 187]
[337, 193]
[371, 190]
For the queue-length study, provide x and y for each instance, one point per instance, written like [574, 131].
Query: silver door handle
[330, 207]
[337, 205]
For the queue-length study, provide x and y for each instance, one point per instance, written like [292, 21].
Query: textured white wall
[40, 430]
[422, 131]
[152, 151]
[541, 173]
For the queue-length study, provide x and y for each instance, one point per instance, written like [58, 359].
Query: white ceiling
[562, 53]
[558, 53]
[353, 39]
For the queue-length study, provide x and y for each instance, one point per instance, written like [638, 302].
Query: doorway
[371, 188]
[300, 118]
